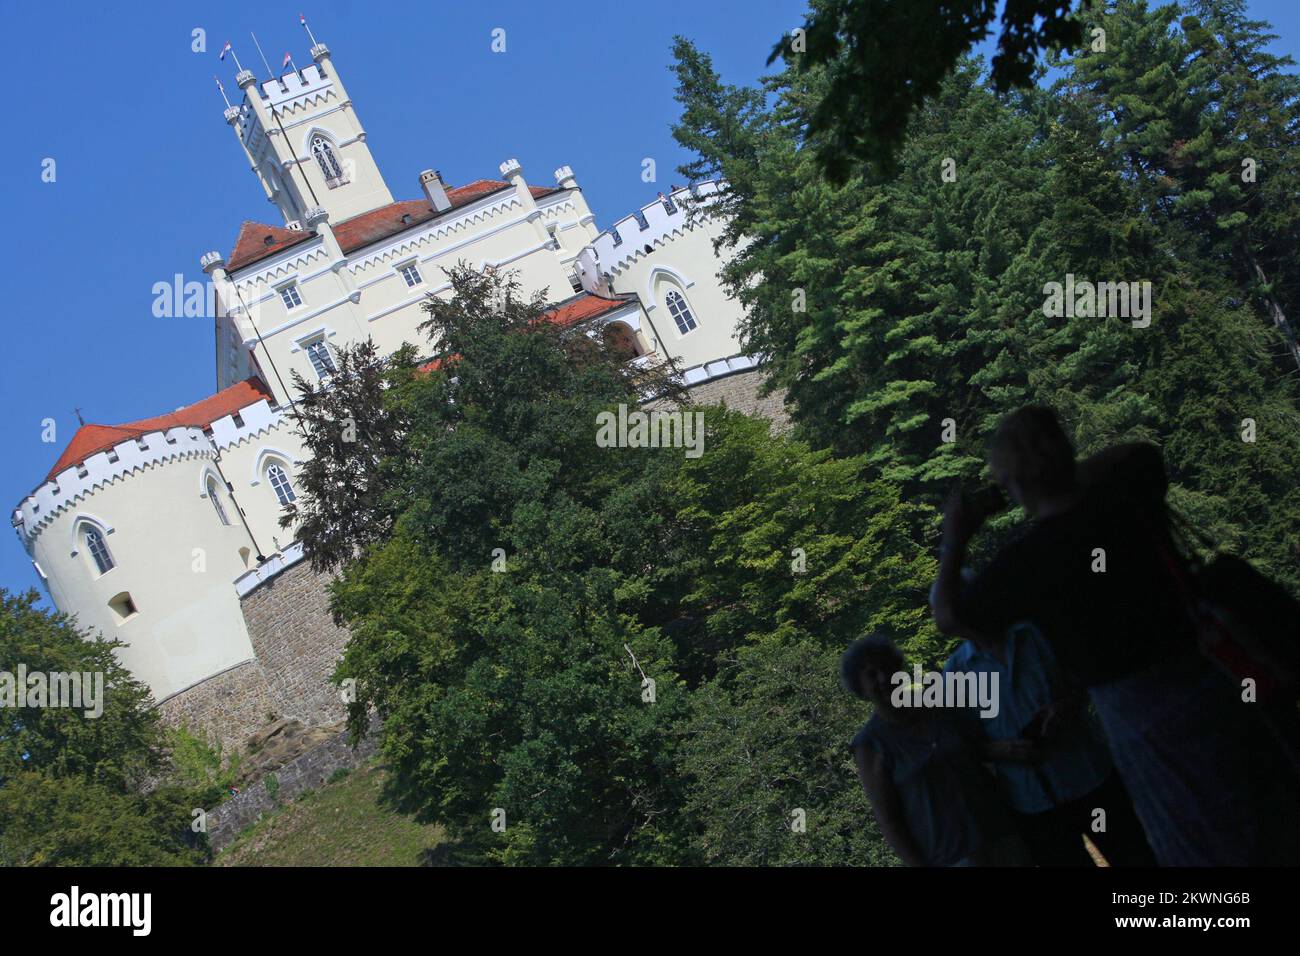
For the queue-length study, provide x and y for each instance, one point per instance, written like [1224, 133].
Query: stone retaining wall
[301, 775]
[297, 647]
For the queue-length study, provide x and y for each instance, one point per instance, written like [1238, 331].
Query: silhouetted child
[921, 769]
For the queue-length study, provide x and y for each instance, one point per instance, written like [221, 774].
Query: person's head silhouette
[1032, 458]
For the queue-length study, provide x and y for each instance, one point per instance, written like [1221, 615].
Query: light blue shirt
[1075, 760]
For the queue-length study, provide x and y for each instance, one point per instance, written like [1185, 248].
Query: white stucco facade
[184, 508]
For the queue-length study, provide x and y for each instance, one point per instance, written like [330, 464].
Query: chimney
[431, 183]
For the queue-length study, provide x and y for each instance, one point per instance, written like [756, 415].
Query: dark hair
[872, 649]
[1030, 446]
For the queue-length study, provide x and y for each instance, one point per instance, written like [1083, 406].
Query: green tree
[119, 749]
[532, 632]
[771, 777]
[353, 438]
[884, 59]
[73, 787]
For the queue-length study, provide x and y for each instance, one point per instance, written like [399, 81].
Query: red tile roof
[92, 439]
[257, 240]
[584, 305]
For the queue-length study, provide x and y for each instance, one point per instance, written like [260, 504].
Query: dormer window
[321, 360]
[327, 161]
[411, 273]
[289, 295]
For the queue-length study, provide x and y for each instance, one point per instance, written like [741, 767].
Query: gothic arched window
[216, 500]
[325, 158]
[280, 482]
[98, 550]
[680, 312]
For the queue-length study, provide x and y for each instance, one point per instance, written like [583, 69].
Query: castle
[162, 532]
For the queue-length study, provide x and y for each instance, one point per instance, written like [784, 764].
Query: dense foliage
[626, 655]
[554, 632]
[78, 790]
[884, 58]
[905, 314]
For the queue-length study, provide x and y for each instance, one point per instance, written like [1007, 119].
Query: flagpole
[303, 21]
[238, 66]
[223, 91]
[262, 55]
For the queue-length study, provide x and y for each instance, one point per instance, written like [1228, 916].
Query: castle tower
[305, 143]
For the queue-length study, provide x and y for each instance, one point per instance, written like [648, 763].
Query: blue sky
[149, 176]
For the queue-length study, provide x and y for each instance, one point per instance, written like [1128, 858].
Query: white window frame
[214, 493]
[321, 148]
[285, 291]
[318, 353]
[97, 548]
[414, 266]
[682, 314]
[278, 478]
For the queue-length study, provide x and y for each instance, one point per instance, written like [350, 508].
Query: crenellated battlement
[73, 484]
[283, 92]
[627, 239]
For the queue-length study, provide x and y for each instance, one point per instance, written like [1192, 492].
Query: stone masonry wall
[740, 392]
[306, 773]
[296, 646]
[297, 643]
[228, 707]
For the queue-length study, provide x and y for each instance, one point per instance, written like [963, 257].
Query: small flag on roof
[303, 21]
[224, 50]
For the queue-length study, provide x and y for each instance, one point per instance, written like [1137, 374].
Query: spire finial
[79, 418]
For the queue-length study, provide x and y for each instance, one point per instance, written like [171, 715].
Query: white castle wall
[350, 298]
[681, 259]
[172, 555]
[205, 657]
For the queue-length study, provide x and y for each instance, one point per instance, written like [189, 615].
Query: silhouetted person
[1055, 795]
[920, 767]
[1091, 571]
